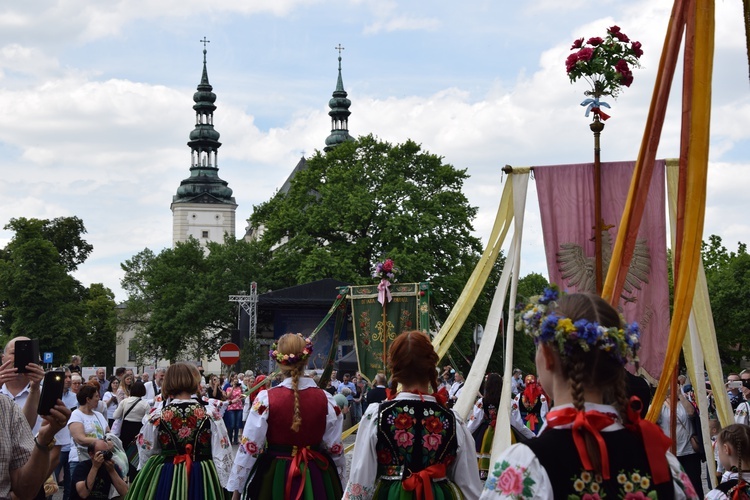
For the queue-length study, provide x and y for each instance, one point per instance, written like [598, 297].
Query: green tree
[178, 300]
[366, 200]
[38, 296]
[728, 280]
[100, 340]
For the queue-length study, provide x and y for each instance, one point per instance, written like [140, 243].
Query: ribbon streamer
[384, 291]
[187, 457]
[300, 458]
[594, 105]
[654, 440]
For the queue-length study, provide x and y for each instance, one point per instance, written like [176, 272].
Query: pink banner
[566, 203]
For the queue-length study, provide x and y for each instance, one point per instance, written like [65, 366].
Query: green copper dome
[339, 114]
[204, 184]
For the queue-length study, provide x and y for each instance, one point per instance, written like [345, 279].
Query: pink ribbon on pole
[384, 293]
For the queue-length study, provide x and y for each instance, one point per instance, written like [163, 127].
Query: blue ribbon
[593, 103]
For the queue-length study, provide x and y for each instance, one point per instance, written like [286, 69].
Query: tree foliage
[728, 280]
[38, 296]
[363, 201]
[100, 337]
[178, 300]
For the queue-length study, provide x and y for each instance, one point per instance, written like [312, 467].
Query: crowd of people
[577, 426]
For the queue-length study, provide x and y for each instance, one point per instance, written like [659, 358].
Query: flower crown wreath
[291, 359]
[538, 320]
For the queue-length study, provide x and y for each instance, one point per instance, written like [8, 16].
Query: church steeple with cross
[339, 113]
[203, 207]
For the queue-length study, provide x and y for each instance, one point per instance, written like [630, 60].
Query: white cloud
[112, 150]
[404, 23]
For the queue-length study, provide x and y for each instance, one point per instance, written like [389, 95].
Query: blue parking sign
[48, 357]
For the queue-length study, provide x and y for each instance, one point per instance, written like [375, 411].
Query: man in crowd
[516, 383]
[377, 393]
[455, 390]
[21, 387]
[334, 380]
[735, 395]
[101, 377]
[742, 412]
[153, 388]
[346, 382]
[25, 460]
[75, 365]
[63, 436]
[93, 478]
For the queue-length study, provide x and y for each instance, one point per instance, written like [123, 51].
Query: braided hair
[595, 367]
[738, 437]
[291, 343]
[413, 360]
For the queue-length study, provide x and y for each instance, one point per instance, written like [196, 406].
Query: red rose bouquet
[606, 63]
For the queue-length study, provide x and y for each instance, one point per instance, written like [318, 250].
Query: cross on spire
[204, 42]
[339, 48]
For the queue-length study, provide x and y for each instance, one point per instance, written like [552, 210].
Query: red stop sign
[229, 353]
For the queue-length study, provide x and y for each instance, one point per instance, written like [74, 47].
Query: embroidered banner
[408, 310]
[566, 203]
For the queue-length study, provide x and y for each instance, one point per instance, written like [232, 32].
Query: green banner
[376, 325]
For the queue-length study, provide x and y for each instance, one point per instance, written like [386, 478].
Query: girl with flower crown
[291, 444]
[594, 444]
[733, 445]
[412, 446]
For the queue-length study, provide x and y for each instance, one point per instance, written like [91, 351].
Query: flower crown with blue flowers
[538, 320]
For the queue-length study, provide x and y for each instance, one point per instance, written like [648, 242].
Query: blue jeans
[233, 421]
[63, 466]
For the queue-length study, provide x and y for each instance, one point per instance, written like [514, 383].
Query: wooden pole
[596, 127]
[385, 339]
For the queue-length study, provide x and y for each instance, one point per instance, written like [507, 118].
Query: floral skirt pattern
[161, 479]
[271, 473]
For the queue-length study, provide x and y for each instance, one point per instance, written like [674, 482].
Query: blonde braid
[297, 419]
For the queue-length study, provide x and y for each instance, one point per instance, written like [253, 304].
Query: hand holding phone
[734, 384]
[26, 352]
[52, 390]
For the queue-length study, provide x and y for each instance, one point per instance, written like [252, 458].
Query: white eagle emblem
[578, 270]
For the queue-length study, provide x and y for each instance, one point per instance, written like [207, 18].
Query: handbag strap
[129, 409]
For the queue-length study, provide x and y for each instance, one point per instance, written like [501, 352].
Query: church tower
[203, 207]
[339, 113]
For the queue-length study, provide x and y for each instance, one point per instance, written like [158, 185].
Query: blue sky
[98, 102]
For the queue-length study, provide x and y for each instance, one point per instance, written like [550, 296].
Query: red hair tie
[593, 421]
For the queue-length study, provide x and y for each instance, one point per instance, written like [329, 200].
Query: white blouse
[718, 494]
[464, 472]
[256, 426]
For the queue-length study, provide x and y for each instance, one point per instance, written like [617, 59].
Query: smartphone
[734, 384]
[27, 351]
[52, 390]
